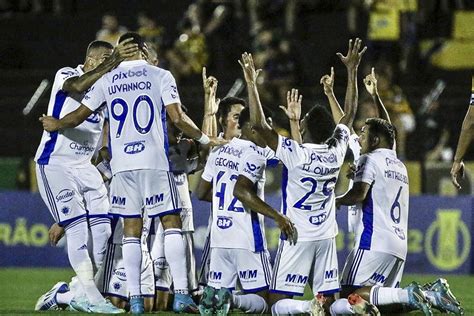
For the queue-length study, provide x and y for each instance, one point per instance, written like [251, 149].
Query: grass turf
[20, 288]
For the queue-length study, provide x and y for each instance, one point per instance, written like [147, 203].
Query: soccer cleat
[418, 300]
[317, 303]
[445, 301]
[137, 305]
[224, 297]
[361, 306]
[80, 304]
[206, 304]
[183, 303]
[48, 301]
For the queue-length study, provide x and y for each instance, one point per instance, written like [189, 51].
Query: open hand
[293, 105]
[248, 68]
[125, 50]
[353, 57]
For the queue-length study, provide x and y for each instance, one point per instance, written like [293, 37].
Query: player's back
[136, 94]
[72, 146]
[309, 178]
[234, 226]
[385, 209]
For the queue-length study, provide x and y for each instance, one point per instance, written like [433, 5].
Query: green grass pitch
[19, 289]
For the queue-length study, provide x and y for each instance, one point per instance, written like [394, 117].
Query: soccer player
[138, 97]
[465, 138]
[234, 179]
[69, 184]
[310, 174]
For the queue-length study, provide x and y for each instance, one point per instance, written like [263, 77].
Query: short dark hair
[98, 44]
[244, 117]
[226, 105]
[382, 128]
[137, 39]
[320, 124]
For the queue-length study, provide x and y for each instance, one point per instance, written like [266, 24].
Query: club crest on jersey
[129, 74]
[134, 147]
[66, 210]
[318, 219]
[65, 195]
[224, 222]
[117, 286]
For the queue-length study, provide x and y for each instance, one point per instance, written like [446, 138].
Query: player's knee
[171, 221]
[132, 227]
[148, 304]
[364, 292]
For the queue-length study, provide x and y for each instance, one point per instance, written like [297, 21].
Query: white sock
[77, 235]
[132, 261]
[341, 306]
[64, 298]
[386, 295]
[176, 258]
[250, 303]
[100, 232]
[290, 307]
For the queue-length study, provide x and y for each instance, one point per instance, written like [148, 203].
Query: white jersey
[354, 216]
[72, 146]
[385, 209]
[309, 178]
[233, 226]
[137, 95]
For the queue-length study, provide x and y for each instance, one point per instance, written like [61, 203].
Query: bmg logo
[224, 222]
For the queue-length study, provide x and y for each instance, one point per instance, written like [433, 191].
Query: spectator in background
[397, 106]
[111, 30]
[148, 29]
[190, 52]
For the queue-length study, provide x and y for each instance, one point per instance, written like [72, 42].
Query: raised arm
[80, 84]
[187, 126]
[211, 104]
[351, 61]
[293, 112]
[328, 84]
[257, 116]
[370, 82]
[467, 133]
[244, 190]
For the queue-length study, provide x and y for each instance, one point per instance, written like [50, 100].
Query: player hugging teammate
[132, 247]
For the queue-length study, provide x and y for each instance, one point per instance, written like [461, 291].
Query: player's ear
[375, 141]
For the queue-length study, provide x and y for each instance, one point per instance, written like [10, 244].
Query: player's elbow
[74, 86]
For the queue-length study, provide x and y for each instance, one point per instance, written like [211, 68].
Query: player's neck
[137, 56]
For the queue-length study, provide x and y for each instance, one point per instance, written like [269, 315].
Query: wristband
[204, 139]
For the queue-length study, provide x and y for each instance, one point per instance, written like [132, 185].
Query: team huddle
[112, 168]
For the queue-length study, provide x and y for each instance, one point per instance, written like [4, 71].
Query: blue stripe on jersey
[368, 221]
[165, 132]
[284, 185]
[51, 143]
[257, 232]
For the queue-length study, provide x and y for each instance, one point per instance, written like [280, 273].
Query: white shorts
[153, 190]
[186, 205]
[111, 279]
[71, 193]
[313, 262]
[252, 269]
[369, 268]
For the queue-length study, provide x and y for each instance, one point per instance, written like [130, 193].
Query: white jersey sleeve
[94, 96]
[341, 135]
[254, 166]
[63, 75]
[290, 153]
[366, 170]
[169, 91]
[208, 172]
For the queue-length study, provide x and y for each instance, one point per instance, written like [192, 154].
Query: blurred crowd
[211, 32]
